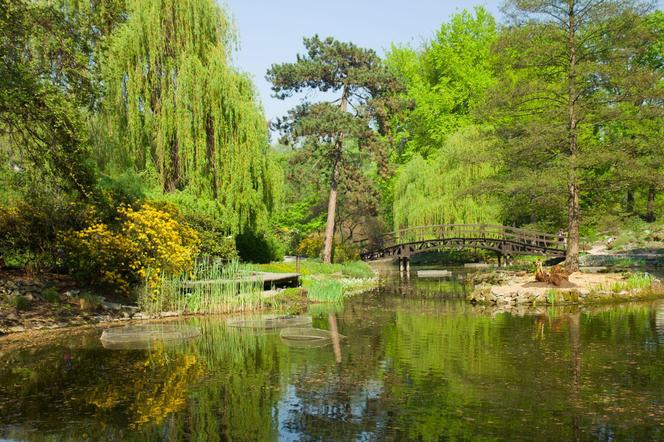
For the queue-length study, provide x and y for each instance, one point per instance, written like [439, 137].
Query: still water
[418, 363]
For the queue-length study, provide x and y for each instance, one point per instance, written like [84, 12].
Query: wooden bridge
[505, 241]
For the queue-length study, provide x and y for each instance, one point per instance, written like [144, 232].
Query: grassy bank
[327, 282]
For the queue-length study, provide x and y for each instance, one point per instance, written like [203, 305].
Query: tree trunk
[334, 182]
[211, 155]
[332, 208]
[650, 210]
[172, 178]
[573, 208]
[630, 201]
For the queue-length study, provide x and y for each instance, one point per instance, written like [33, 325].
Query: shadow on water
[418, 363]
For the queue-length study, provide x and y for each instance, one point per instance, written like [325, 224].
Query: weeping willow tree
[178, 111]
[444, 189]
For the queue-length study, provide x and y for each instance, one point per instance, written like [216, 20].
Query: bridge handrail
[509, 233]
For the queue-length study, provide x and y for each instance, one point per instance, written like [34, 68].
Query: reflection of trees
[411, 368]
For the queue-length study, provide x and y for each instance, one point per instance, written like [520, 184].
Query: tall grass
[335, 289]
[324, 290]
[355, 269]
[212, 287]
[636, 282]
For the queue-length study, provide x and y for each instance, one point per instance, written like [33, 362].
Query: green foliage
[324, 290]
[20, 302]
[328, 131]
[444, 190]
[311, 246]
[346, 252]
[210, 287]
[177, 110]
[258, 247]
[447, 80]
[50, 294]
[39, 118]
[30, 227]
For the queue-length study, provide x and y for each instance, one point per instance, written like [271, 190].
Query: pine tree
[362, 83]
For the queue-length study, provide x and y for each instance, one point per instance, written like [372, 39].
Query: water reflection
[418, 363]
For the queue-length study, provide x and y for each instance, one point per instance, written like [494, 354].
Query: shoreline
[520, 288]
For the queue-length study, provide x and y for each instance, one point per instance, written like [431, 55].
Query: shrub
[215, 242]
[258, 247]
[50, 294]
[29, 228]
[346, 252]
[312, 245]
[146, 241]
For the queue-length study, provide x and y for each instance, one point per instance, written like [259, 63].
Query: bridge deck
[504, 240]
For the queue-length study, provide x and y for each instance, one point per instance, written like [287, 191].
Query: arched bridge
[506, 241]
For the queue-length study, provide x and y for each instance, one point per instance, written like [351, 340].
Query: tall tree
[361, 83]
[638, 119]
[549, 95]
[446, 79]
[39, 116]
[178, 110]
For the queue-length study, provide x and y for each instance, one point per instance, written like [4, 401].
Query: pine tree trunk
[650, 210]
[332, 207]
[573, 208]
[334, 182]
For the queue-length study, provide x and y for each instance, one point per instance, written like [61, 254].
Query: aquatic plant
[212, 287]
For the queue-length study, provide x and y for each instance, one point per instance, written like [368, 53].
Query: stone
[71, 293]
[111, 306]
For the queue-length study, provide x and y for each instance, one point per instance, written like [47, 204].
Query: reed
[212, 287]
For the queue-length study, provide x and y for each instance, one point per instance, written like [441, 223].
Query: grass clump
[212, 287]
[51, 295]
[324, 290]
[20, 303]
[635, 282]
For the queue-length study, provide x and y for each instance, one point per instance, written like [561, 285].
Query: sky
[271, 31]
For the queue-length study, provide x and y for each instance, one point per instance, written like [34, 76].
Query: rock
[71, 293]
[111, 306]
[169, 314]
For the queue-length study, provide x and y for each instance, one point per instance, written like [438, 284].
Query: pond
[417, 363]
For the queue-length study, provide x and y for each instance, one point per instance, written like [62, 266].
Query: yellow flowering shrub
[145, 243]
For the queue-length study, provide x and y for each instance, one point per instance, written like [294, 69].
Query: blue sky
[271, 31]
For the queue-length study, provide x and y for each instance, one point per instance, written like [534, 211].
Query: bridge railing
[463, 231]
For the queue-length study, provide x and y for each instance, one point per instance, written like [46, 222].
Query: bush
[346, 252]
[312, 245]
[215, 242]
[30, 227]
[146, 242]
[258, 248]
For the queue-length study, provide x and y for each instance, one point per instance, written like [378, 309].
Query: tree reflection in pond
[418, 366]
